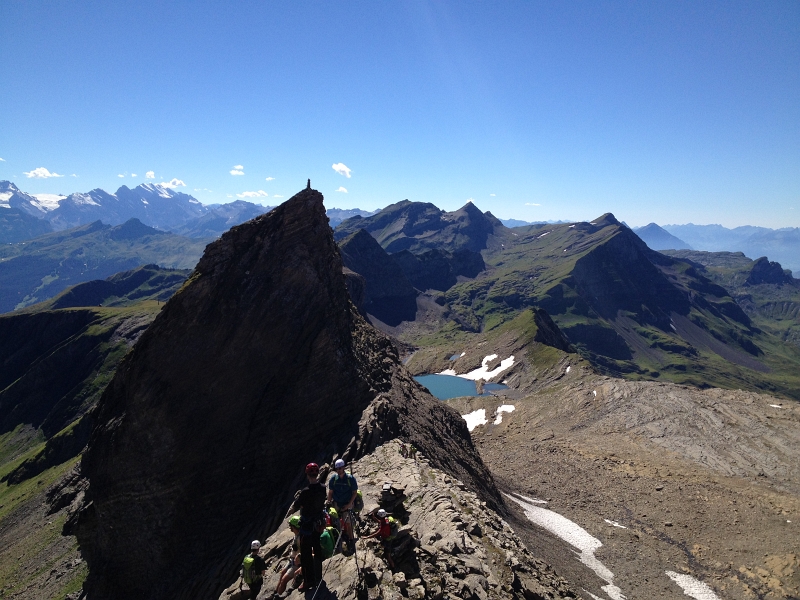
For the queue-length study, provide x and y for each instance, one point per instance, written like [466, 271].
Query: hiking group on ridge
[325, 524]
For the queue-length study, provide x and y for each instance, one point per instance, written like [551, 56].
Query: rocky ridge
[257, 365]
[459, 547]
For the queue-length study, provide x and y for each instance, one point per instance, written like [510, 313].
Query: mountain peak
[8, 186]
[259, 365]
[605, 220]
[133, 229]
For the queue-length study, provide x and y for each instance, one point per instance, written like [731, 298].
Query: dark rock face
[764, 271]
[439, 269]
[388, 295]
[420, 226]
[258, 365]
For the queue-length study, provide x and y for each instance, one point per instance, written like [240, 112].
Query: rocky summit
[257, 366]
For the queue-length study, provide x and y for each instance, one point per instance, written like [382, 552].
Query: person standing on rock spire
[311, 503]
[308, 185]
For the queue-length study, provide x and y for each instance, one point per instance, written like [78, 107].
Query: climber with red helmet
[311, 503]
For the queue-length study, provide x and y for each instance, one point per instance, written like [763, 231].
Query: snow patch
[484, 373]
[776, 406]
[594, 392]
[692, 587]
[573, 534]
[544, 234]
[568, 368]
[509, 408]
[145, 201]
[448, 372]
[475, 418]
[48, 202]
[615, 524]
[84, 199]
[4, 199]
[158, 188]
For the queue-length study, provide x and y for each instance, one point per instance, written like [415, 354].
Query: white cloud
[277, 196]
[204, 190]
[150, 175]
[73, 175]
[120, 175]
[237, 170]
[239, 167]
[40, 173]
[492, 195]
[341, 189]
[532, 204]
[270, 179]
[2, 160]
[133, 174]
[173, 183]
[341, 169]
[229, 196]
[258, 194]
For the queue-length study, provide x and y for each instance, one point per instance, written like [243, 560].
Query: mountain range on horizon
[24, 216]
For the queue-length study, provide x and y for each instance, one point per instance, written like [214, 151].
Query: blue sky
[671, 112]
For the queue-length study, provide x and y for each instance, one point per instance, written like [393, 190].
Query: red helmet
[312, 469]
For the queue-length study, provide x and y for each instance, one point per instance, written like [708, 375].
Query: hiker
[311, 503]
[293, 568]
[253, 567]
[342, 492]
[387, 531]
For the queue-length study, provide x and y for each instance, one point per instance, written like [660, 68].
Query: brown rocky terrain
[667, 477]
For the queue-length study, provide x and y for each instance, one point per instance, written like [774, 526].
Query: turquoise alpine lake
[449, 386]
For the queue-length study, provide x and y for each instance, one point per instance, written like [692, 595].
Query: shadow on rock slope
[258, 365]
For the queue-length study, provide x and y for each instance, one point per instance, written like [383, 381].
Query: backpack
[327, 541]
[358, 503]
[249, 576]
[393, 528]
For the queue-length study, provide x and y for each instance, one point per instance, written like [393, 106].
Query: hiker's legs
[307, 559]
[255, 588]
[317, 558]
[348, 536]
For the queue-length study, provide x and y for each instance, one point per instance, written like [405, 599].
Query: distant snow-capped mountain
[153, 204]
[20, 215]
[156, 205]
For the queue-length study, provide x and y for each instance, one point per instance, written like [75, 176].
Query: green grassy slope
[38, 269]
[630, 311]
[773, 303]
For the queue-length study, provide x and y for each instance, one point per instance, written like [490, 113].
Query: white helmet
[381, 513]
[255, 545]
[339, 464]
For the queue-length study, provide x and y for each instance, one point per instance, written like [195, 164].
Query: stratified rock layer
[258, 365]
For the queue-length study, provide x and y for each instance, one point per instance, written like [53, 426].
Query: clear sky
[671, 112]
